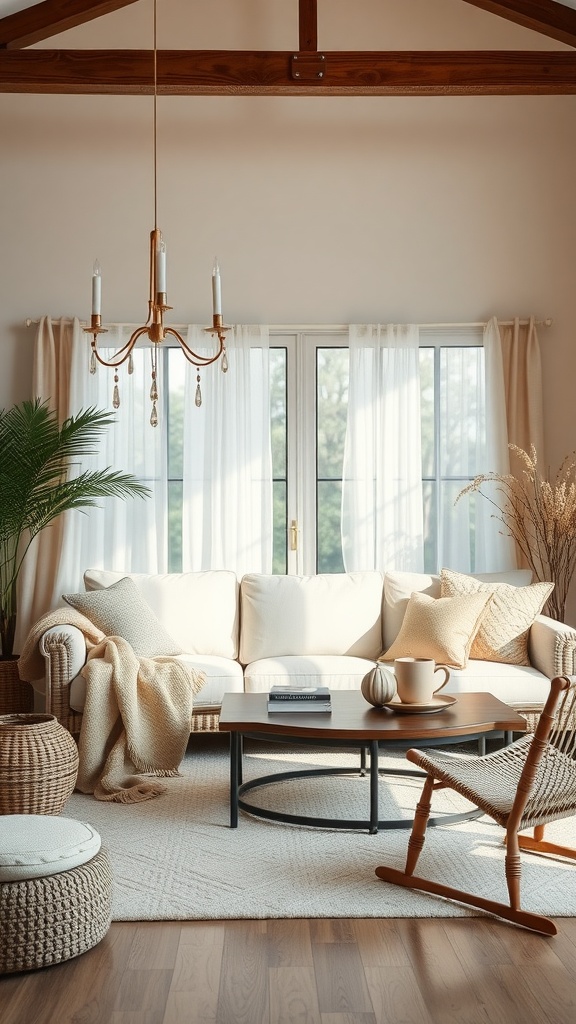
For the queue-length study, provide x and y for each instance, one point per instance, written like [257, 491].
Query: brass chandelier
[154, 328]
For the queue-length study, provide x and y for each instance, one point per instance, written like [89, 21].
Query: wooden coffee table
[354, 724]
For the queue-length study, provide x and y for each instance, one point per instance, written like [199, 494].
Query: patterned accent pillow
[503, 633]
[442, 628]
[120, 610]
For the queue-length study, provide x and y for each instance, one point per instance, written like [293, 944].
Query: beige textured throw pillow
[442, 628]
[120, 610]
[503, 633]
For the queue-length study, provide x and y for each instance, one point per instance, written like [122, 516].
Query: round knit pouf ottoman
[55, 890]
[38, 764]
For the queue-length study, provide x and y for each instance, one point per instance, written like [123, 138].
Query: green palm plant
[36, 455]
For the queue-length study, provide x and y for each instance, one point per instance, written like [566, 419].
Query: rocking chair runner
[522, 786]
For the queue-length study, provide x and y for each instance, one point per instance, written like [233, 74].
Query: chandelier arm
[192, 356]
[122, 354]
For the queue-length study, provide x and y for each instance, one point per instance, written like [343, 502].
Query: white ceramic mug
[416, 679]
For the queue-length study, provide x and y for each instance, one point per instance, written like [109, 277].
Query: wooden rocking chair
[522, 786]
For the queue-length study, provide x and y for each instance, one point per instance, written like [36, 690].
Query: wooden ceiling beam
[547, 17]
[261, 73]
[51, 17]
[308, 25]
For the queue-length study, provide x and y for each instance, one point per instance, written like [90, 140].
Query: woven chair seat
[494, 792]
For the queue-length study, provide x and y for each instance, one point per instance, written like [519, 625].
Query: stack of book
[299, 698]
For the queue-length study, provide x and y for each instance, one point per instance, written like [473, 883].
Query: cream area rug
[176, 858]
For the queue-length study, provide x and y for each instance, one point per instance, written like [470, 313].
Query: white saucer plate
[439, 703]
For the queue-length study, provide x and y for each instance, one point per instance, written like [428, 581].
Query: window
[279, 428]
[309, 404]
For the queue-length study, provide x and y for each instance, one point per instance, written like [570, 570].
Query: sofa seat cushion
[516, 685]
[198, 609]
[339, 672]
[222, 675]
[332, 613]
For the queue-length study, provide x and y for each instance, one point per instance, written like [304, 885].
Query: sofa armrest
[552, 647]
[64, 650]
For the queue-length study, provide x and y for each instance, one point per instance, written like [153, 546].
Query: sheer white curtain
[473, 440]
[227, 476]
[127, 535]
[382, 510]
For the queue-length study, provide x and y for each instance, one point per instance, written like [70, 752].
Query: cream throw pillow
[120, 610]
[503, 633]
[442, 628]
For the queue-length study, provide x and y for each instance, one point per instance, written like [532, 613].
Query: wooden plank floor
[436, 971]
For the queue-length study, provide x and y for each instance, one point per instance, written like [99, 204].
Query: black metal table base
[372, 823]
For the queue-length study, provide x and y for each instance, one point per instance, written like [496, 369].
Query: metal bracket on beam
[308, 67]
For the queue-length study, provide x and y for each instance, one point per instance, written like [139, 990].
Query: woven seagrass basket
[15, 696]
[38, 764]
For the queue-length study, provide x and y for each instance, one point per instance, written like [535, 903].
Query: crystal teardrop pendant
[154, 416]
[153, 390]
[198, 398]
[93, 362]
[116, 397]
[130, 364]
[224, 362]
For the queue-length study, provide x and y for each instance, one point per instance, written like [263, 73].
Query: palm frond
[41, 477]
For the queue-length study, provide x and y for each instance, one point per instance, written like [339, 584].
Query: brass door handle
[294, 535]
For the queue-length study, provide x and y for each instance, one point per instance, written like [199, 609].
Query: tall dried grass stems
[541, 517]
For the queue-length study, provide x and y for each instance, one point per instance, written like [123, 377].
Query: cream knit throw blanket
[136, 717]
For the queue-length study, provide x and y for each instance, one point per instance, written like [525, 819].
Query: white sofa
[251, 633]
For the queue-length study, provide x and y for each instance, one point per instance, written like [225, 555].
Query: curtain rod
[343, 327]
[477, 323]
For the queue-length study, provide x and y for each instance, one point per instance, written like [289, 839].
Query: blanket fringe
[143, 790]
[160, 773]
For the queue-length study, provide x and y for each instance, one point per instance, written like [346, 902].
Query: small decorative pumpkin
[379, 685]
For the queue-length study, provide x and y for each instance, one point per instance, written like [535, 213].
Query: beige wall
[320, 210]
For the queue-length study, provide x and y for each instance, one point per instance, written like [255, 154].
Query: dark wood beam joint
[308, 67]
[307, 25]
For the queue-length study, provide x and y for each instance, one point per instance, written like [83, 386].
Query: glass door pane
[331, 414]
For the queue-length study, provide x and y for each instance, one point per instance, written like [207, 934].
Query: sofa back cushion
[398, 586]
[198, 609]
[332, 613]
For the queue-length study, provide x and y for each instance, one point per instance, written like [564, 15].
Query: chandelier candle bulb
[216, 290]
[97, 289]
[161, 267]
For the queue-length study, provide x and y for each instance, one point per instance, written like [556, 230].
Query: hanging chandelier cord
[155, 120]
